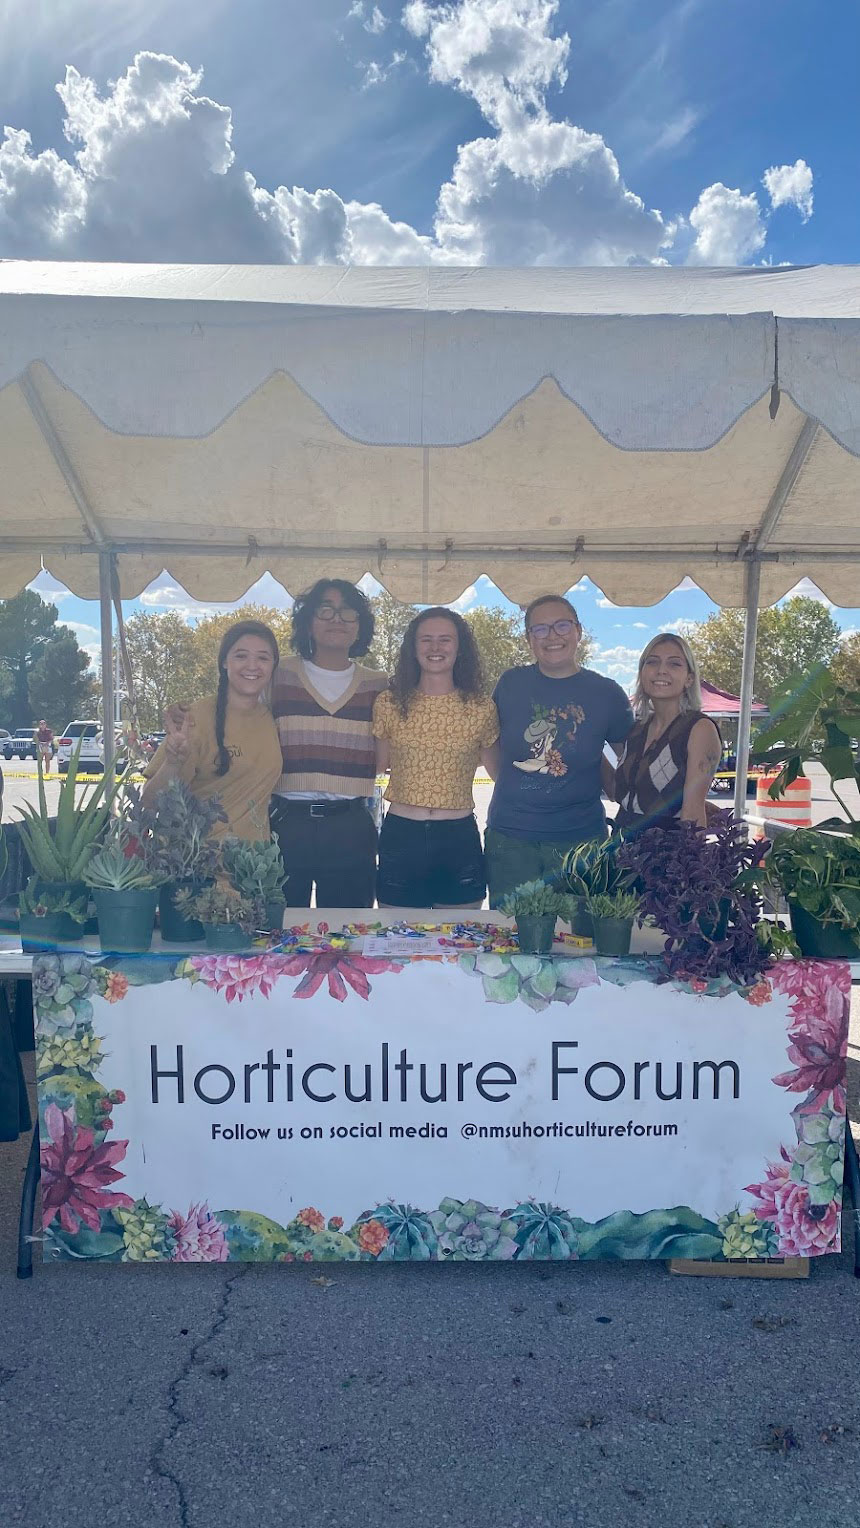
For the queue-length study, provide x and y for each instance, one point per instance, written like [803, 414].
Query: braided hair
[232, 635]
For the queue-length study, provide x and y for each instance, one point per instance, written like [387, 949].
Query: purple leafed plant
[688, 882]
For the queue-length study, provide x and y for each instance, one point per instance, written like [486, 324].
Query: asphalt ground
[494, 1396]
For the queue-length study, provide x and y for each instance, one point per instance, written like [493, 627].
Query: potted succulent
[534, 907]
[54, 904]
[229, 919]
[588, 870]
[183, 856]
[125, 891]
[612, 914]
[819, 876]
[256, 869]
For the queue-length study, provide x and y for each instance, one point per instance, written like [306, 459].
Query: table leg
[852, 1168]
[28, 1209]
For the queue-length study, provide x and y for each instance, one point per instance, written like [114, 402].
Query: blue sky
[485, 131]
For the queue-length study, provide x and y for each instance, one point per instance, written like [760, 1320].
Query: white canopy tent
[429, 425]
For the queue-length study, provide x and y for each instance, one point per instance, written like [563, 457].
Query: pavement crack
[176, 1417]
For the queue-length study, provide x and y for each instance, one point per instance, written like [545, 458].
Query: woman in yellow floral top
[433, 727]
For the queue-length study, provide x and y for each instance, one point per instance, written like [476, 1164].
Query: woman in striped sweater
[322, 702]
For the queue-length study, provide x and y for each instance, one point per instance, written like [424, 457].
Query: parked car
[92, 756]
[20, 745]
[5, 739]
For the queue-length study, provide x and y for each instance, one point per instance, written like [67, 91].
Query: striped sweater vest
[326, 747]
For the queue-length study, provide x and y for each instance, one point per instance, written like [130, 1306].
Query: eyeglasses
[343, 613]
[561, 628]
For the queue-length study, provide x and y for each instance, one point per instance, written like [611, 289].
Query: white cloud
[47, 588]
[850, 631]
[604, 604]
[152, 173]
[809, 591]
[579, 588]
[468, 599]
[640, 626]
[162, 594]
[619, 663]
[790, 185]
[729, 227]
[369, 585]
[684, 585]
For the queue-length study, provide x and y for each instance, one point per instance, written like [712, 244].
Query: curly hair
[305, 608]
[232, 635]
[468, 673]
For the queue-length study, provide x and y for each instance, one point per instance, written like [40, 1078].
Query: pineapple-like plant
[745, 1236]
[615, 904]
[533, 899]
[146, 1233]
[64, 855]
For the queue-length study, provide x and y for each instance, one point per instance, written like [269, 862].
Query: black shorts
[439, 863]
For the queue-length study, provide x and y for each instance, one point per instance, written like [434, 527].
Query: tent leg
[107, 562]
[753, 581]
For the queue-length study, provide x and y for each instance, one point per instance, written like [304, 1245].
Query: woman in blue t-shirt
[555, 718]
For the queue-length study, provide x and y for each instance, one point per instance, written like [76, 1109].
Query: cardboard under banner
[330, 1105]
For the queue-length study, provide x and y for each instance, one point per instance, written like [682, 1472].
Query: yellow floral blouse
[436, 747]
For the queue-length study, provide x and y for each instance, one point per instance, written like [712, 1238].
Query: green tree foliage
[792, 638]
[164, 660]
[27, 626]
[62, 684]
[391, 619]
[501, 641]
[845, 667]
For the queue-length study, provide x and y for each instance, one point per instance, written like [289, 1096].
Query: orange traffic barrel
[793, 806]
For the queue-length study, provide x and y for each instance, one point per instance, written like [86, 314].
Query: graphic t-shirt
[552, 737]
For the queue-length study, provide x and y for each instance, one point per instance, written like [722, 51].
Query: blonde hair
[691, 700]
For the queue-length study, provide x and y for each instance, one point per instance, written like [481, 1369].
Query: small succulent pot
[580, 919]
[822, 941]
[226, 938]
[612, 935]
[275, 915]
[174, 928]
[67, 929]
[535, 934]
[126, 919]
[46, 933]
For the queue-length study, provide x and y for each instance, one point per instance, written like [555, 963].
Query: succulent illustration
[745, 1236]
[147, 1233]
[817, 1160]
[537, 980]
[62, 987]
[63, 1052]
[410, 1233]
[543, 1231]
[470, 1231]
[74, 1089]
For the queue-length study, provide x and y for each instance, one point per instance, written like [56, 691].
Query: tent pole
[753, 582]
[107, 560]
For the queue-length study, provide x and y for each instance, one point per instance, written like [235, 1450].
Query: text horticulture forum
[393, 1076]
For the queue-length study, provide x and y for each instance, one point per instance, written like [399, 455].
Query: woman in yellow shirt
[227, 745]
[433, 727]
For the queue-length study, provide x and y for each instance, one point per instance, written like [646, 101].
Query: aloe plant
[617, 904]
[64, 855]
[533, 899]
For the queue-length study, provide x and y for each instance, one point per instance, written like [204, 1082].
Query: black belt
[320, 808]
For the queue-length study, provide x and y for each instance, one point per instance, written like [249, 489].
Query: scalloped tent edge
[430, 425]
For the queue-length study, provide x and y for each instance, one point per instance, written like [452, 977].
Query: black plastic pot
[226, 938]
[45, 933]
[822, 941]
[275, 915]
[580, 919]
[126, 919]
[174, 928]
[535, 935]
[612, 935]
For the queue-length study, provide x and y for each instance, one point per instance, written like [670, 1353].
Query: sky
[553, 132]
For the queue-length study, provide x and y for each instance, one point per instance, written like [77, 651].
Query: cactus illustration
[543, 1231]
[411, 1236]
[146, 1232]
[745, 1236]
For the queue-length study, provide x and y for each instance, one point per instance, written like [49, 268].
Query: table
[325, 1104]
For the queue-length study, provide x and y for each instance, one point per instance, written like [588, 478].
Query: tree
[391, 619]
[501, 641]
[792, 637]
[27, 625]
[845, 667]
[62, 685]
[164, 662]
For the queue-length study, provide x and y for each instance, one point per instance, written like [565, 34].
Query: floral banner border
[795, 1209]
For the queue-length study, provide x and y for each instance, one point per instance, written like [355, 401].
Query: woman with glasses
[555, 718]
[669, 758]
[434, 726]
[322, 702]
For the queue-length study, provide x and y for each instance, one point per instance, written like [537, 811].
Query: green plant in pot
[590, 869]
[819, 876]
[54, 905]
[230, 920]
[184, 856]
[813, 717]
[256, 869]
[534, 907]
[125, 891]
[612, 914]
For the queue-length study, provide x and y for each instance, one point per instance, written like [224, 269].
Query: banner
[330, 1105]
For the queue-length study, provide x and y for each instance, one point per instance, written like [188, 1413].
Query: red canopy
[720, 703]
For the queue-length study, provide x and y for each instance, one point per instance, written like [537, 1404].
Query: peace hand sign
[178, 724]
